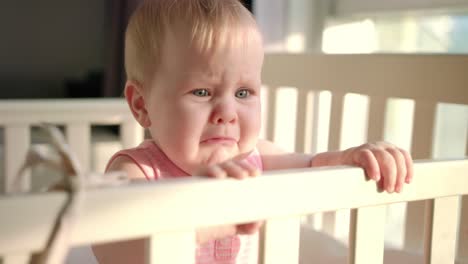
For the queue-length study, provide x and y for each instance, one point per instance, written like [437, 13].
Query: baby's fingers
[408, 164]
[213, 171]
[368, 161]
[234, 169]
[400, 164]
[388, 169]
[249, 228]
[251, 170]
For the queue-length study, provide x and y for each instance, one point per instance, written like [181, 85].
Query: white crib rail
[427, 79]
[77, 115]
[169, 216]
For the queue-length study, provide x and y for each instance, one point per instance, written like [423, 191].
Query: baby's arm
[134, 251]
[381, 161]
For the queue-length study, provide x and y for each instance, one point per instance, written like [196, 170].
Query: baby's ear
[136, 101]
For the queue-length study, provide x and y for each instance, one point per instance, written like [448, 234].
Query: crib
[419, 102]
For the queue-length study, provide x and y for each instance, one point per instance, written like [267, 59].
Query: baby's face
[205, 108]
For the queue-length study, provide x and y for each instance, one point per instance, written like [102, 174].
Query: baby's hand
[383, 162]
[238, 169]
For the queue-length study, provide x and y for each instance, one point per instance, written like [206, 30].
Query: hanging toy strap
[74, 182]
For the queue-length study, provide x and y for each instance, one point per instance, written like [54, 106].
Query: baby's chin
[217, 156]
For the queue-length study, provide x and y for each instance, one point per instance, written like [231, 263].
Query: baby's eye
[242, 93]
[200, 92]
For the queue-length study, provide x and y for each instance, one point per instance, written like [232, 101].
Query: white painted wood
[17, 142]
[315, 115]
[79, 140]
[285, 117]
[23, 229]
[15, 259]
[329, 219]
[132, 133]
[281, 241]
[366, 239]
[450, 133]
[411, 74]
[172, 247]
[441, 230]
[445, 75]
[422, 142]
[57, 111]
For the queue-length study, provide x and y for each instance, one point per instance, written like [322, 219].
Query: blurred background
[73, 49]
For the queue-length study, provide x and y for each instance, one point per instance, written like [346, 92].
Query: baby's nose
[223, 113]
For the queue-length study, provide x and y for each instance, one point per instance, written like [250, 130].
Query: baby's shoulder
[128, 165]
[132, 160]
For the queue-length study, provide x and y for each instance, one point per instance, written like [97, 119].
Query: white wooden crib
[400, 98]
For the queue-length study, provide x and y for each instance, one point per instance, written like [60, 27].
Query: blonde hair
[209, 22]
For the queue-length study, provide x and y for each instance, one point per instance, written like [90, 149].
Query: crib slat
[131, 133]
[334, 143]
[441, 228]
[376, 120]
[281, 241]
[304, 121]
[173, 247]
[17, 141]
[79, 139]
[15, 259]
[315, 116]
[421, 148]
[271, 118]
[366, 238]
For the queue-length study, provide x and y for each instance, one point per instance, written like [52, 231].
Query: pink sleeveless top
[238, 249]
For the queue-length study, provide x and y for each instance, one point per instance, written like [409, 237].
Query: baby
[193, 80]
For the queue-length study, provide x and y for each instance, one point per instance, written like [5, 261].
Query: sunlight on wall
[355, 37]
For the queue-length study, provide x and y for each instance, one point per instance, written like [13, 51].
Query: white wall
[43, 42]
